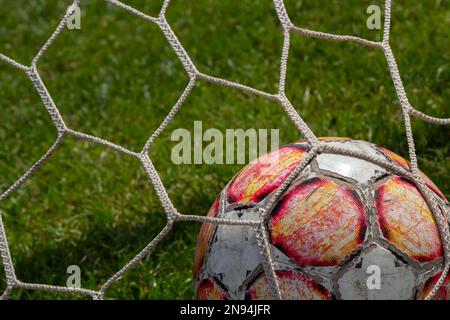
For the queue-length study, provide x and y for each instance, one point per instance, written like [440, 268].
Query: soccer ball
[345, 228]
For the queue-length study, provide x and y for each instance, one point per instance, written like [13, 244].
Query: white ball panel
[354, 168]
[396, 280]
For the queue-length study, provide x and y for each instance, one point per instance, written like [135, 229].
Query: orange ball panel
[318, 222]
[294, 285]
[210, 289]
[262, 177]
[205, 235]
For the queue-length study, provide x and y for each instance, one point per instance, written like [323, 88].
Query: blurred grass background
[117, 78]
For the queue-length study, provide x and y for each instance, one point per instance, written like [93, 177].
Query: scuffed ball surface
[293, 284]
[337, 224]
[406, 220]
[262, 177]
[211, 289]
[318, 223]
[443, 292]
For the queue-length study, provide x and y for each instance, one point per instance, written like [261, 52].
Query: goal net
[173, 215]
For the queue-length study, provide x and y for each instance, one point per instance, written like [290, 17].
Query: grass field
[117, 78]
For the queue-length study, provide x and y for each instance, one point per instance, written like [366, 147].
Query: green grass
[117, 78]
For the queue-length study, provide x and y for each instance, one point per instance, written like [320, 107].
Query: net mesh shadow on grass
[260, 226]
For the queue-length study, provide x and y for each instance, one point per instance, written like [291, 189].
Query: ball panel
[406, 220]
[430, 184]
[318, 222]
[376, 274]
[395, 157]
[303, 143]
[443, 292]
[211, 289]
[205, 235]
[358, 170]
[261, 177]
[233, 254]
[405, 164]
[294, 285]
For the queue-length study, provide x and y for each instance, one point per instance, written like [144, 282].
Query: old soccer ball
[345, 228]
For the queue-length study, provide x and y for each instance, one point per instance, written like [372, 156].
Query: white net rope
[260, 225]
